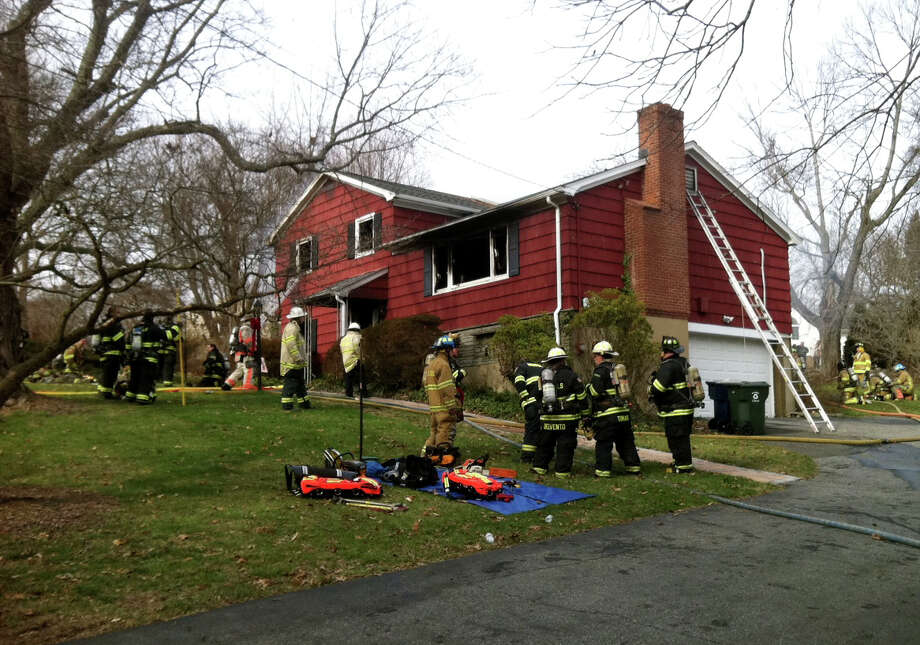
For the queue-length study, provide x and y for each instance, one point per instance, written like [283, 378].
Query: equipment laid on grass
[758, 314]
[336, 459]
[473, 485]
[410, 471]
[386, 507]
[326, 487]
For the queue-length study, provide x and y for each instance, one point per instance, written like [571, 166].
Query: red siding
[709, 286]
[600, 234]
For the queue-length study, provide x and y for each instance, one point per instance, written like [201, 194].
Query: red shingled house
[361, 250]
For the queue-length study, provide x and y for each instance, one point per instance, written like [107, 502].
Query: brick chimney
[656, 227]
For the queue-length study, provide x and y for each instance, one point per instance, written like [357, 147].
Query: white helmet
[354, 326]
[555, 354]
[296, 312]
[602, 347]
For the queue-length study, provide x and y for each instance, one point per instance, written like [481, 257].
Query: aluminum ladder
[757, 312]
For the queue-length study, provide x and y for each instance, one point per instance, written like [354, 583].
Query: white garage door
[730, 358]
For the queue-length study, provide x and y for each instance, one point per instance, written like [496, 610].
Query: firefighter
[72, 356]
[609, 421]
[110, 349]
[443, 404]
[904, 381]
[143, 347]
[294, 361]
[564, 406]
[669, 392]
[862, 363]
[243, 347]
[171, 335]
[847, 383]
[351, 360]
[215, 368]
[457, 372]
[527, 383]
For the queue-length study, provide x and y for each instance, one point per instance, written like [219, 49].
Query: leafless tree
[852, 168]
[83, 85]
[654, 50]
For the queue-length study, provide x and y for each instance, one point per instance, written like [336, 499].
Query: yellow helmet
[602, 347]
[556, 353]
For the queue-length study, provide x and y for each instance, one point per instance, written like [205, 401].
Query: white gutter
[549, 200]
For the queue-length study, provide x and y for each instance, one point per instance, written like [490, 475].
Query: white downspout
[763, 276]
[549, 200]
[342, 314]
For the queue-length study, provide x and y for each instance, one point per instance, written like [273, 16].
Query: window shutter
[314, 326]
[378, 230]
[428, 271]
[314, 251]
[514, 260]
[350, 237]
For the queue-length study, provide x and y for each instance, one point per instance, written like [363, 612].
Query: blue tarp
[529, 497]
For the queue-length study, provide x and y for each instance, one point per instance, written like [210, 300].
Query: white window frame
[492, 277]
[364, 218]
[312, 240]
[691, 181]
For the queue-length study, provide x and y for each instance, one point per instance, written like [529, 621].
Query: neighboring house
[356, 248]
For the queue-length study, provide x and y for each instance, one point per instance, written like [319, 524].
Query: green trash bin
[747, 406]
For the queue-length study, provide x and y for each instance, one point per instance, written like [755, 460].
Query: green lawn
[137, 514]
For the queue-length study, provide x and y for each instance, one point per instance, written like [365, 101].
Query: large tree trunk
[830, 347]
[11, 341]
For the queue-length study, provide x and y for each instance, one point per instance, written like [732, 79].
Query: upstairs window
[364, 235]
[690, 179]
[307, 254]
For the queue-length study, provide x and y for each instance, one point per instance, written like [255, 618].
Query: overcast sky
[515, 135]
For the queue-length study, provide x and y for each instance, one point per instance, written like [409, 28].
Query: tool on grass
[386, 507]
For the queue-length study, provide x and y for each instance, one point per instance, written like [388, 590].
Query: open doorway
[366, 312]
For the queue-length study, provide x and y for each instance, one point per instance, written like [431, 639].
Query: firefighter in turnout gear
[110, 349]
[564, 406]
[904, 382]
[215, 368]
[846, 381]
[670, 394]
[351, 360]
[610, 421]
[143, 348]
[527, 383]
[294, 361]
[443, 404]
[862, 364]
[171, 335]
[243, 347]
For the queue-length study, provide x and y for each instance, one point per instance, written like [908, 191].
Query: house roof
[562, 193]
[327, 297]
[760, 209]
[403, 195]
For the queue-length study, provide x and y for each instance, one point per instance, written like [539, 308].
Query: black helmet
[671, 344]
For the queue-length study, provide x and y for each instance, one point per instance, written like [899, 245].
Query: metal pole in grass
[256, 324]
[181, 354]
[360, 403]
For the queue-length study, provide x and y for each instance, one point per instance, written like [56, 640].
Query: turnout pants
[677, 430]
[109, 376]
[169, 367]
[558, 437]
[609, 431]
[243, 371]
[443, 430]
[352, 378]
[531, 432]
[294, 390]
[141, 387]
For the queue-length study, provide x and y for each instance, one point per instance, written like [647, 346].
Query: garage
[729, 354]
